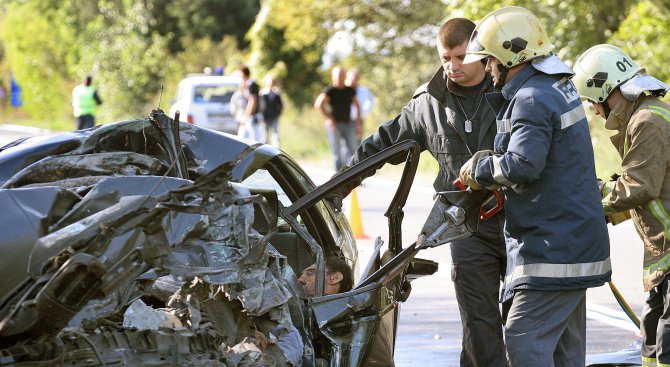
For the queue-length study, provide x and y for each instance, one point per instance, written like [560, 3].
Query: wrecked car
[151, 242]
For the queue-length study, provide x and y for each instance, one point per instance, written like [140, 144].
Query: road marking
[608, 316]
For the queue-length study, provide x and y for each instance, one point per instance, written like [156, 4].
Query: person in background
[335, 103]
[338, 278]
[14, 92]
[3, 100]
[247, 109]
[542, 161]
[365, 98]
[85, 102]
[629, 100]
[273, 109]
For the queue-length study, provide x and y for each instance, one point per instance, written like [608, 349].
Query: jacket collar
[518, 80]
[618, 120]
[439, 85]
[621, 113]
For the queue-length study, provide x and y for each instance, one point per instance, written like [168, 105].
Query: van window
[213, 93]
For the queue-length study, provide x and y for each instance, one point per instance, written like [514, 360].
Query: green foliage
[644, 36]
[37, 50]
[287, 41]
[126, 58]
[134, 47]
[573, 25]
[197, 19]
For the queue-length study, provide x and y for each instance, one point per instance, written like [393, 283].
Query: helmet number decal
[621, 65]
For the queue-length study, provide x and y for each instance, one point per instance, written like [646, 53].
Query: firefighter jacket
[434, 120]
[643, 141]
[555, 230]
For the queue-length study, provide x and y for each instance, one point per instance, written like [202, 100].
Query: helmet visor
[470, 58]
[475, 50]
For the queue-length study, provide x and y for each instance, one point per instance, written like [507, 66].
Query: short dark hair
[245, 70]
[335, 264]
[88, 80]
[455, 31]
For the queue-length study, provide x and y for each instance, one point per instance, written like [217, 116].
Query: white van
[204, 100]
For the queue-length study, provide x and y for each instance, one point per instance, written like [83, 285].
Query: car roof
[207, 149]
[210, 79]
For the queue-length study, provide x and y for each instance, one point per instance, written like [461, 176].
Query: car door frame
[384, 283]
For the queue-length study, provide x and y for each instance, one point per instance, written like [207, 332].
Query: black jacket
[435, 121]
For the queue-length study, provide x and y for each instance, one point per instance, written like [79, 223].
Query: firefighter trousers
[547, 328]
[655, 326]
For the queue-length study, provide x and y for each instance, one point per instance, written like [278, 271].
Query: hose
[624, 305]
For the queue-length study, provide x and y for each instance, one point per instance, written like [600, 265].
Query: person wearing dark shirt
[250, 116]
[335, 104]
[271, 96]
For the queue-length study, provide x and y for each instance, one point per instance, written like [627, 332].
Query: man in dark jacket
[557, 241]
[449, 118]
[271, 96]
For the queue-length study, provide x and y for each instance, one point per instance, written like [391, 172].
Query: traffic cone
[355, 217]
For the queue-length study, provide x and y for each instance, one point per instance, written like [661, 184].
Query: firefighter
[628, 99]
[449, 118]
[556, 235]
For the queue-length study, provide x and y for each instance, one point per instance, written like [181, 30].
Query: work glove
[467, 173]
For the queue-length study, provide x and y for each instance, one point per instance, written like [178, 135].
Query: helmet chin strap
[502, 72]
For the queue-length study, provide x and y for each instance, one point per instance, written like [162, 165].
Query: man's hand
[467, 173]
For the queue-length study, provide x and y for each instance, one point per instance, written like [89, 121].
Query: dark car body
[105, 229]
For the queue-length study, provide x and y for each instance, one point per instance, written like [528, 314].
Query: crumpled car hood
[113, 262]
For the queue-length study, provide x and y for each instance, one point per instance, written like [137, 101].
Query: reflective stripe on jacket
[555, 229]
[433, 119]
[83, 100]
[643, 141]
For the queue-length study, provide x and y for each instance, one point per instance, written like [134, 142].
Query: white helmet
[601, 69]
[511, 34]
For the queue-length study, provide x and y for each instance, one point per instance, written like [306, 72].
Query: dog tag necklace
[468, 120]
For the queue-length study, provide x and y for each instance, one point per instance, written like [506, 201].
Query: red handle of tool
[483, 214]
[460, 185]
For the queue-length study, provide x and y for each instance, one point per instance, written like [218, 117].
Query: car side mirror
[420, 268]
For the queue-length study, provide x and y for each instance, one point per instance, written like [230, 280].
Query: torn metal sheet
[141, 243]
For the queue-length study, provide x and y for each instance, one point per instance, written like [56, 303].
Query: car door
[361, 324]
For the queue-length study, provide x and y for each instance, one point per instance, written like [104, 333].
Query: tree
[644, 36]
[287, 40]
[186, 21]
[37, 51]
[126, 57]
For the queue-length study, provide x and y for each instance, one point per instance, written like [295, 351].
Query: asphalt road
[430, 328]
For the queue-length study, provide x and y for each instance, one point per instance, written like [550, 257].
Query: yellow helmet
[601, 69]
[511, 34]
